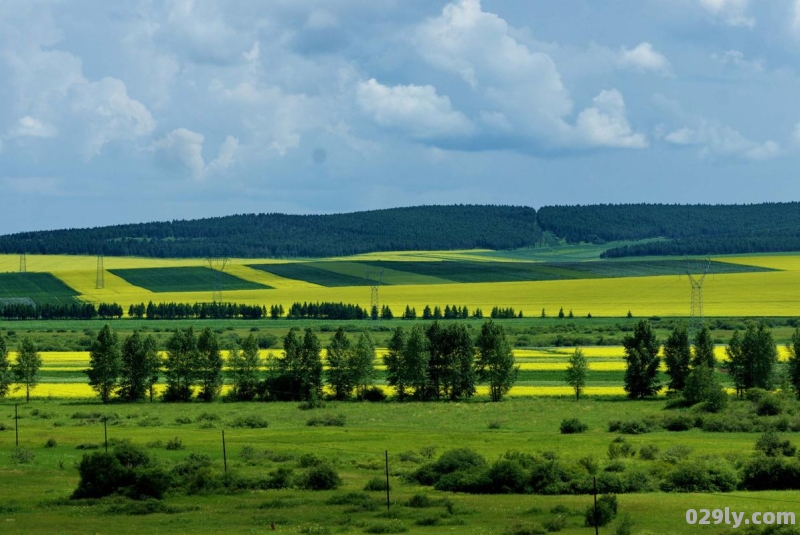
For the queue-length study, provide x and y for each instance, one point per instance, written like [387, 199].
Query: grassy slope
[357, 449]
[40, 287]
[184, 279]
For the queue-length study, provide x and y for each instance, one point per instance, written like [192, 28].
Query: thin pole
[105, 431]
[16, 425]
[387, 481]
[595, 506]
[224, 453]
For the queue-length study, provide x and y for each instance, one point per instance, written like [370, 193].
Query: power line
[696, 314]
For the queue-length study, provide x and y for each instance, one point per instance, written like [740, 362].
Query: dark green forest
[662, 229]
[280, 235]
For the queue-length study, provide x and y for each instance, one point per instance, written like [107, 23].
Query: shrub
[606, 511]
[474, 481]
[507, 477]
[374, 394]
[678, 422]
[709, 475]
[590, 464]
[620, 449]
[494, 424]
[772, 446]
[675, 454]
[252, 421]
[376, 484]
[755, 395]
[281, 478]
[525, 529]
[180, 420]
[393, 526]
[458, 459]
[573, 425]
[87, 446]
[208, 417]
[554, 524]
[630, 427]
[615, 466]
[175, 444]
[359, 501]
[419, 501]
[22, 456]
[770, 405]
[648, 452]
[771, 473]
[51, 443]
[327, 420]
[308, 460]
[321, 477]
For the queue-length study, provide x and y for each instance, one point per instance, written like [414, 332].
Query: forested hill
[687, 229]
[279, 235]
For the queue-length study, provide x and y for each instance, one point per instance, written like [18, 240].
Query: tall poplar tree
[26, 368]
[209, 365]
[495, 362]
[704, 349]
[340, 373]
[363, 364]
[396, 372]
[677, 358]
[244, 365]
[133, 369]
[180, 366]
[577, 372]
[642, 361]
[104, 363]
[153, 364]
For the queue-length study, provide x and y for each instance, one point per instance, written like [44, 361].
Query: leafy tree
[577, 372]
[641, 355]
[6, 377]
[302, 366]
[26, 369]
[340, 373]
[244, 365]
[180, 367]
[415, 362]
[133, 371]
[704, 349]
[104, 363]
[459, 352]
[677, 357]
[152, 364]
[396, 372]
[495, 362]
[426, 313]
[209, 365]
[793, 364]
[702, 385]
[386, 313]
[752, 358]
[363, 364]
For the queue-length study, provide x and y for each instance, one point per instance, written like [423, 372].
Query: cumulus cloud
[730, 12]
[183, 147]
[415, 109]
[737, 59]
[644, 58]
[716, 140]
[523, 98]
[605, 123]
[30, 127]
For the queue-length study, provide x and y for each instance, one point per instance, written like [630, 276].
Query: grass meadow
[34, 493]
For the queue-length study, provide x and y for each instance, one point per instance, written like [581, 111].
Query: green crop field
[42, 288]
[314, 273]
[184, 279]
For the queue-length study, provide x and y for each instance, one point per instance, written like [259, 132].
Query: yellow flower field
[739, 294]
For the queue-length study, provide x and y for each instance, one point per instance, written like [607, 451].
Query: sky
[146, 110]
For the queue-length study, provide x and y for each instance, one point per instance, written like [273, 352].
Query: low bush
[678, 422]
[675, 454]
[771, 473]
[393, 526]
[525, 529]
[420, 501]
[320, 477]
[606, 511]
[208, 417]
[620, 449]
[701, 475]
[771, 445]
[648, 452]
[87, 446]
[769, 405]
[572, 426]
[128, 471]
[630, 427]
[376, 484]
[555, 524]
[175, 444]
[252, 421]
[327, 420]
[374, 394]
[181, 420]
[507, 477]
[51, 443]
[22, 456]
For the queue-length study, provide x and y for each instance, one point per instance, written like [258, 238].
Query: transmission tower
[218, 265]
[23, 265]
[375, 301]
[696, 280]
[100, 280]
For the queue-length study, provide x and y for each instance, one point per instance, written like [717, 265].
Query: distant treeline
[687, 229]
[280, 235]
[201, 311]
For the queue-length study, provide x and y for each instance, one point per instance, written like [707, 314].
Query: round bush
[573, 425]
[321, 477]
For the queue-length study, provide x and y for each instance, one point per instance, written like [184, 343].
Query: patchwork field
[736, 286]
[41, 288]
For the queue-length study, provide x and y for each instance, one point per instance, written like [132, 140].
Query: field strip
[264, 277]
[783, 262]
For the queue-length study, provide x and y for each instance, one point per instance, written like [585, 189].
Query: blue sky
[115, 112]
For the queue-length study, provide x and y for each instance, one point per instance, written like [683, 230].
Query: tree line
[752, 362]
[431, 363]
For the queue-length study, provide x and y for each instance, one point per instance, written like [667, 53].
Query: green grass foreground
[34, 494]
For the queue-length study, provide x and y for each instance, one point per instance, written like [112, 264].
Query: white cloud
[185, 148]
[606, 125]
[737, 59]
[730, 12]
[644, 58]
[109, 113]
[719, 141]
[412, 108]
[520, 90]
[31, 127]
